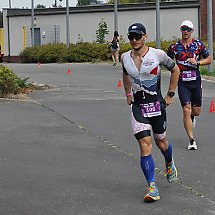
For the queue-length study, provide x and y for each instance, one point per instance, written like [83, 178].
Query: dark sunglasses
[135, 36]
[186, 29]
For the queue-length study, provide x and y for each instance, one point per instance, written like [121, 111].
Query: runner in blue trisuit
[189, 53]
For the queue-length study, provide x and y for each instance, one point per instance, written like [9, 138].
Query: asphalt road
[70, 150]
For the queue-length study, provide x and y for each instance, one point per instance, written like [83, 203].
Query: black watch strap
[171, 94]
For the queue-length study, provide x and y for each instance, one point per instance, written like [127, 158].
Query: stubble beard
[140, 47]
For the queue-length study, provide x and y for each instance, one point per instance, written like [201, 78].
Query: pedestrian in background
[190, 54]
[141, 78]
[115, 48]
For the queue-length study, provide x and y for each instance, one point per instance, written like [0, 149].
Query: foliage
[204, 71]
[40, 6]
[121, 39]
[55, 4]
[136, 1]
[8, 81]
[102, 31]
[83, 2]
[44, 54]
[79, 52]
[88, 52]
[23, 82]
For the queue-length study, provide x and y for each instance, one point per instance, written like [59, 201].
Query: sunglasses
[186, 29]
[135, 36]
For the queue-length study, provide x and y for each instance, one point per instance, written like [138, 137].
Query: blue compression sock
[148, 168]
[168, 154]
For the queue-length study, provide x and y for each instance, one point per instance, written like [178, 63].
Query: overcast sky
[27, 3]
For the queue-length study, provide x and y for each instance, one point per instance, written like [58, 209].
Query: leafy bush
[22, 82]
[30, 54]
[79, 52]
[8, 81]
[88, 52]
[49, 53]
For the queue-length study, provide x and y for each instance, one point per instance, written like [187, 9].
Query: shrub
[49, 53]
[79, 52]
[8, 81]
[22, 82]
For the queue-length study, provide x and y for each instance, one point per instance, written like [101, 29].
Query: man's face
[137, 41]
[186, 32]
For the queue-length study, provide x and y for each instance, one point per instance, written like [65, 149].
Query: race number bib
[189, 75]
[151, 109]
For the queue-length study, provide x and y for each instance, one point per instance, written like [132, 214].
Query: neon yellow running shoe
[171, 172]
[153, 194]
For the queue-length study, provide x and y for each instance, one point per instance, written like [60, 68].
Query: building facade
[50, 23]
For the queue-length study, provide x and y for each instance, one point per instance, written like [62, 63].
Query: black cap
[137, 28]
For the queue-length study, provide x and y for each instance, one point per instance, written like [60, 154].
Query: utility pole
[67, 24]
[210, 33]
[32, 22]
[9, 3]
[115, 16]
[158, 24]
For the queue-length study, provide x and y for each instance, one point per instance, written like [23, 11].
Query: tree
[135, 1]
[88, 2]
[40, 6]
[101, 32]
[83, 2]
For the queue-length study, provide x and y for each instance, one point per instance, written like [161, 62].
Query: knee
[145, 148]
[162, 144]
[196, 111]
[187, 111]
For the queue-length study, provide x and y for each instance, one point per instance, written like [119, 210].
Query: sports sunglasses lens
[134, 36]
[186, 29]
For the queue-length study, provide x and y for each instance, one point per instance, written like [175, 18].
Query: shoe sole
[175, 178]
[192, 148]
[149, 198]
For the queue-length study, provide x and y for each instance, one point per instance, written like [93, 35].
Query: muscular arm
[205, 61]
[172, 84]
[202, 62]
[174, 78]
[127, 84]
[127, 87]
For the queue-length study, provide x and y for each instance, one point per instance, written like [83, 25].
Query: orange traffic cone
[38, 65]
[119, 83]
[212, 107]
[68, 71]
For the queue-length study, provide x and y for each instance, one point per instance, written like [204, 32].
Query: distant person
[141, 79]
[115, 48]
[190, 54]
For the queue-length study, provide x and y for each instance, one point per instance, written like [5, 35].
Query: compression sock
[148, 168]
[168, 154]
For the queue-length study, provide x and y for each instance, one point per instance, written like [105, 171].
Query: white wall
[86, 25]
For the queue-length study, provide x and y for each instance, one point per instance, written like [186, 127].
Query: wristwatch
[171, 94]
[198, 63]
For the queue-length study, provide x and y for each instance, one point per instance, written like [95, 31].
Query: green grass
[204, 71]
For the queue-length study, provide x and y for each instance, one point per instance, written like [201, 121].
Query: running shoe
[192, 145]
[153, 194]
[114, 64]
[171, 172]
[193, 118]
